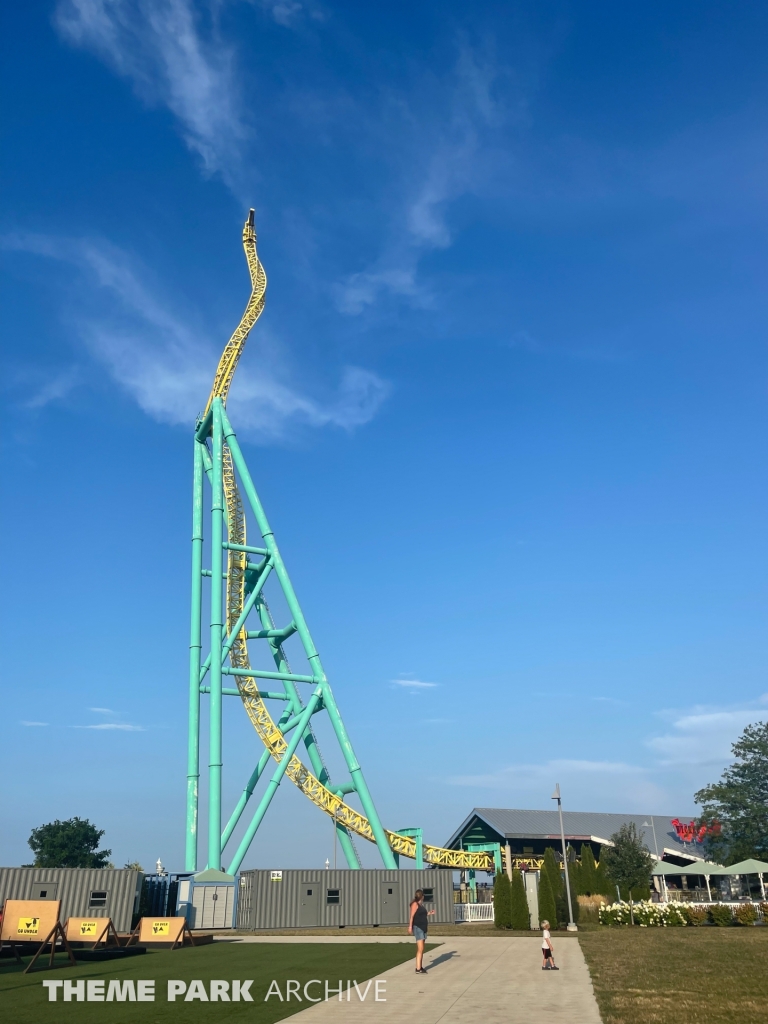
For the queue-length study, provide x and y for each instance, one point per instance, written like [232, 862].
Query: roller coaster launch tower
[238, 573]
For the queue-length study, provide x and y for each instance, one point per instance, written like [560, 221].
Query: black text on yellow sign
[88, 927]
[161, 928]
[28, 926]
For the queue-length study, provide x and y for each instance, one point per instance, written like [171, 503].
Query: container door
[220, 906]
[309, 905]
[195, 918]
[390, 903]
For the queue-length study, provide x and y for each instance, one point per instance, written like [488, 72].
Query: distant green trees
[502, 901]
[68, 844]
[628, 863]
[519, 916]
[736, 807]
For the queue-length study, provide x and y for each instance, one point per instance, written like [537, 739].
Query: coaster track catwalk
[237, 593]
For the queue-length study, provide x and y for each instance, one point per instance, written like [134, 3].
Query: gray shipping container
[84, 892]
[331, 899]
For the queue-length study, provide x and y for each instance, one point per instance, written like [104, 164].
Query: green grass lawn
[23, 997]
[674, 975]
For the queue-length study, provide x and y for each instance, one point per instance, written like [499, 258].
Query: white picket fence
[472, 912]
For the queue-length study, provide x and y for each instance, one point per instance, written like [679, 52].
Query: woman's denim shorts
[419, 934]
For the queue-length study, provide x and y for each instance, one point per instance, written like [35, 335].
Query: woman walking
[417, 927]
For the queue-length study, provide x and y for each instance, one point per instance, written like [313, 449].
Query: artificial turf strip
[23, 998]
[669, 975]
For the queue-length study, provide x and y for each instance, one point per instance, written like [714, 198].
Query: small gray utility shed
[339, 898]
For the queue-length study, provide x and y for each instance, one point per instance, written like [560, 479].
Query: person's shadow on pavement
[443, 957]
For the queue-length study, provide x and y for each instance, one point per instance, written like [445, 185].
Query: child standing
[547, 950]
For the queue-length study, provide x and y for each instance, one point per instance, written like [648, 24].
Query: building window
[43, 893]
[333, 897]
[389, 892]
[429, 895]
[98, 898]
[309, 892]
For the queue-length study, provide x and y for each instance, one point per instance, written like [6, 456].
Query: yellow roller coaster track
[257, 710]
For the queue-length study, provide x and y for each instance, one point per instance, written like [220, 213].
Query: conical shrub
[502, 900]
[588, 880]
[547, 909]
[519, 917]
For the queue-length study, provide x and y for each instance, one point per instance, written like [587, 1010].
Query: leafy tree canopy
[68, 844]
[627, 863]
[739, 801]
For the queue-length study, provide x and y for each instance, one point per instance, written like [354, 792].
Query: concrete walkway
[470, 981]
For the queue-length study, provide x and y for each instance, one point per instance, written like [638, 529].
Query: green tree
[133, 865]
[552, 869]
[519, 916]
[502, 900]
[588, 871]
[547, 909]
[603, 884]
[738, 803]
[68, 844]
[628, 862]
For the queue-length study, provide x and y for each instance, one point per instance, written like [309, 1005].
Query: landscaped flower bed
[647, 914]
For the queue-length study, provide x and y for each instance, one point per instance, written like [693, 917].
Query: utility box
[339, 898]
[207, 899]
[207, 904]
[532, 895]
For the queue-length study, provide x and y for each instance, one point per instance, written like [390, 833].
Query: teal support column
[274, 782]
[244, 798]
[494, 848]
[217, 626]
[418, 835]
[321, 773]
[313, 657]
[195, 649]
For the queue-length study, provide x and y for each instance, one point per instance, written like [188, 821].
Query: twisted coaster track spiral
[218, 458]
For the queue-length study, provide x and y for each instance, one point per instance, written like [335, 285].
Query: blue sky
[506, 407]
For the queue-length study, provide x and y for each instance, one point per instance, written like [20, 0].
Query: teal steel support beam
[195, 649]
[257, 673]
[247, 608]
[313, 657]
[418, 835]
[494, 848]
[244, 798]
[217, 626]
[264, 694]
[274, 782]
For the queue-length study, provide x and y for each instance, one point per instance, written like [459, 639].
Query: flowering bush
[645, 913]
[695, 913]
[720, 915]
[746, 913]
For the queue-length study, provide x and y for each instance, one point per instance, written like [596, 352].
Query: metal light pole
[556, 796]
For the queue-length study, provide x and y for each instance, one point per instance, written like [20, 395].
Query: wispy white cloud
[539, 774]
[102, 711]
[704, 734]
[120, 726]
[414, 684]
[54, 389]
[34, 723]
[167, 367]
[171, 58]
[443, 146]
